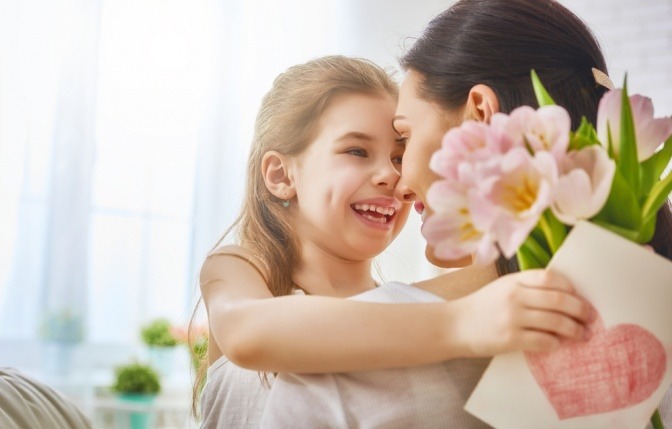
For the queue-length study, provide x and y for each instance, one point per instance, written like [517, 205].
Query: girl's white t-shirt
[233, 397]
[429, 396]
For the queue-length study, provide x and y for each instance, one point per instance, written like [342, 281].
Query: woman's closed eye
[401, 140]
[401, 145]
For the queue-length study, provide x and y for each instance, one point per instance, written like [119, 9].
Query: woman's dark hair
[498, 43]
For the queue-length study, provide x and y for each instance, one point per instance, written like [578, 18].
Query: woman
[472, 61]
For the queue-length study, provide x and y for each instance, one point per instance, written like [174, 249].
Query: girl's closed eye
[357, 152]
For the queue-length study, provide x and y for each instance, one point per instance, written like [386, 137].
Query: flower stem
[532, 254]
[656, 421]
[554, 230]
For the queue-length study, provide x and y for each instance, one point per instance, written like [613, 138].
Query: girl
[473, 60]
[319, 206]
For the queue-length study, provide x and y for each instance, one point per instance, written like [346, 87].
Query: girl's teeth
[423, 215]
[375, 219]
[387, 211]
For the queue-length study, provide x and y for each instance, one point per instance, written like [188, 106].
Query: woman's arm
[460, 282]
[312, 334]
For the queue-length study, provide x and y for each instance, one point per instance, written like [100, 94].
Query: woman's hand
[531, 310]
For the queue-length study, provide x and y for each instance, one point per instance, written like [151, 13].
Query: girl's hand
[531, 310]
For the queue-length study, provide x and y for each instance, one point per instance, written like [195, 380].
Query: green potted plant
[159, 338]
[62, 326]
[137, 385]
[61, 330]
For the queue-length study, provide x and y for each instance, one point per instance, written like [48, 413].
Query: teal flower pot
[57, 356]
[162, 359]
[139, 414]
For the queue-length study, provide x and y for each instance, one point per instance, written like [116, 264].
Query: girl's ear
[275, 168]
[482, 103]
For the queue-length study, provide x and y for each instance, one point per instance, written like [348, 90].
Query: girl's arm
[312, 334]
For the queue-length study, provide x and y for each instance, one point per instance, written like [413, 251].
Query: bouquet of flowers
[518, 184]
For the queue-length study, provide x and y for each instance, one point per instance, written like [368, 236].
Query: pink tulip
[650, 132]
[520, 195]
[452, 229]
[544, 129]
[584, 184]
[472, 142]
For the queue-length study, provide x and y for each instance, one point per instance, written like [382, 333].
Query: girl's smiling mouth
[377, 213]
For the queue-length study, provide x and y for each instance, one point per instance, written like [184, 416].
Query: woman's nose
[402, 191]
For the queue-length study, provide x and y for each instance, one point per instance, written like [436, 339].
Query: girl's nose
[387, 176]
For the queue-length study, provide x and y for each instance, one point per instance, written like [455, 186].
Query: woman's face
[422, 125]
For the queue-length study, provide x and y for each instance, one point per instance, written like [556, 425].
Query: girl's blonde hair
[287, 122]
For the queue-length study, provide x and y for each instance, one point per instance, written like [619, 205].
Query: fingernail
[593, 314]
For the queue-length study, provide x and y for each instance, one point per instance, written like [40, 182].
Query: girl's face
[421, 124]
[345, 180]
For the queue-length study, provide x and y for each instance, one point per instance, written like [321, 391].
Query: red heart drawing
[616, 368]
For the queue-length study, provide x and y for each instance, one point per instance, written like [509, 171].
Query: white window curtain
[124, 129]
[47, 96]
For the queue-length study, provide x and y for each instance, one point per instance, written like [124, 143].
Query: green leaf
[584, 136]
[526, 259]
[538, 235]
[648, 229]
[652, 169]
[632, 235]
[659, 194]
[532, 254]
[622, 206]
[543, 98]
[627, 162]
[610, 144]
[656, 420]
[587, 130]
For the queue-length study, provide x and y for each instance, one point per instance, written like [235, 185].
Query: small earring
[286, 202]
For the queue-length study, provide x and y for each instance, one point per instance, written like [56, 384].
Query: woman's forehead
[408, 98]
